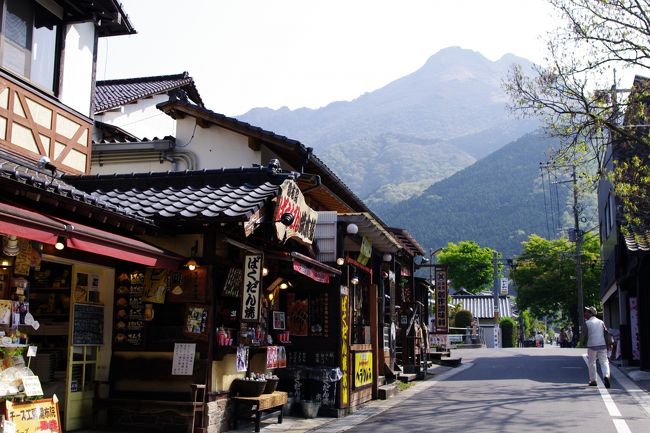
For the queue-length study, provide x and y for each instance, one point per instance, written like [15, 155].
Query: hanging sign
[442, 321]
[365, 251]
[291, 201]
[504, 286]
[252, 287]
[314, 274]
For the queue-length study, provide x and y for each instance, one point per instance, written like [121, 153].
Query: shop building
[624, 250]
[61, 247]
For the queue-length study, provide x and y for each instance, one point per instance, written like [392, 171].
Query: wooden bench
[264, 403]
[143, 393]
[434, 355]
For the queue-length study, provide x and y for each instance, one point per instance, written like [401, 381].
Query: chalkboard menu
[87, 324]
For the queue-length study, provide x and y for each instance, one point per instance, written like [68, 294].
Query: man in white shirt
[596, 346]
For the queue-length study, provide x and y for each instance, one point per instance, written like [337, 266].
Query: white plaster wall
[142, 119]
[215, 147]
[130, 167]
[76, 83]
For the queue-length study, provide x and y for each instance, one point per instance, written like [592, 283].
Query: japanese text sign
[251, 294]
[34, 416]
[442, 321]
[303, 226]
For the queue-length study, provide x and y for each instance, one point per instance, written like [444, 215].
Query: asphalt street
[513, 390]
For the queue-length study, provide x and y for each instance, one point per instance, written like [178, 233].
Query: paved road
[512, 390]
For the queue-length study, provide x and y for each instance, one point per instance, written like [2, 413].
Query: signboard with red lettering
[36, 416]
[314, 274]
[362, 369]
[303, 225]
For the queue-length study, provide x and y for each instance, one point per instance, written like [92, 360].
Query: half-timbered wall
[34, 126]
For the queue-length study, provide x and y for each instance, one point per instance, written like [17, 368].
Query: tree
[470, 265]
[463, 319]
[577, 94]
[508, 332]
[545, 276]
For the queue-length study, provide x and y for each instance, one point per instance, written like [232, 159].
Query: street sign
[504, 286]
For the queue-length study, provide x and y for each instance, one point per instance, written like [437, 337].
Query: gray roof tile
[25, 172]
[205, 194]
[111, 94]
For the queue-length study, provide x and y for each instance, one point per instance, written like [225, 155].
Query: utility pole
[495, 287]
[578, 237]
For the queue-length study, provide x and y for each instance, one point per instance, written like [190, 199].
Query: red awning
[42, 228]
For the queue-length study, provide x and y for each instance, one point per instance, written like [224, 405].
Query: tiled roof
[408, 241]
[22, 180]
[111, 94]
[482, 306]
[204, 195]
[638, 239]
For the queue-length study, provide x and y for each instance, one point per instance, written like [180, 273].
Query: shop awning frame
[46, 229]
[293, 255]
[382, 240]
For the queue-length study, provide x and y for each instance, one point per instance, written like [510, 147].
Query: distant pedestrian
[539, 339]
[563, 338]
[596, 346]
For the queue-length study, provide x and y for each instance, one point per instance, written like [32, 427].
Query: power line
[548, 231]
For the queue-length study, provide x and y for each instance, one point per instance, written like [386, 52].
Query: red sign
[314, 274]
[292, 202]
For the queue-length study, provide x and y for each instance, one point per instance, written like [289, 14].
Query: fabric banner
[365, 251]
[314, 274]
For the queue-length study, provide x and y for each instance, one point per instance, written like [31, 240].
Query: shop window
[360, 313]
[28, 42]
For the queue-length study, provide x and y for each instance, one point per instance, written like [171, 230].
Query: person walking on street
[596, 346]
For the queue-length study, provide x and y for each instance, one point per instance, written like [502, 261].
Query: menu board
[318, 315]
[188, 286]
[87, 324]
[128, 318]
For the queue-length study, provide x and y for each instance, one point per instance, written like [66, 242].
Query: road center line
[612, 409]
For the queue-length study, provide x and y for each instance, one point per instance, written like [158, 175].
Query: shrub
[508, 334]
[463, 319]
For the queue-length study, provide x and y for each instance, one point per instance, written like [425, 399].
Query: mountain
[393, 143]
[498, 201]
[457, 92]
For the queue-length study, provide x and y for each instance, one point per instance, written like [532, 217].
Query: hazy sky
[307, 53]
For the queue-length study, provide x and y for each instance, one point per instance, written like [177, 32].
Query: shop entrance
[68, 299]
[80, 383]
[91, 290]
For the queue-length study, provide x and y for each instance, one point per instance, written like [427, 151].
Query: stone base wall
[219, 415]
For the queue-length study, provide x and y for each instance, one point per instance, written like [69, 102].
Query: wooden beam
[203, 123]
[254, 144]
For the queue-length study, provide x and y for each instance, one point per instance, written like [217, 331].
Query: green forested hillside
[497, 202]
[399, 166]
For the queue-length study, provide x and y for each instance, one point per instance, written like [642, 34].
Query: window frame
[58, 48]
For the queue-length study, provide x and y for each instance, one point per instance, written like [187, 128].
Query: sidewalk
[635, 382]
[292, 424]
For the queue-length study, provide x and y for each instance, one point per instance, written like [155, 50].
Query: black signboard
[88, 324]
